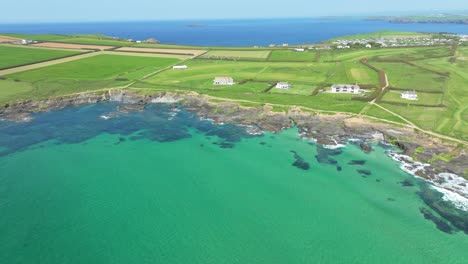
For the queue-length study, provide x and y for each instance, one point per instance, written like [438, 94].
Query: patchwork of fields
[438, 74]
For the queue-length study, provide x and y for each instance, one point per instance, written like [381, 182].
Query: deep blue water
[232, 32]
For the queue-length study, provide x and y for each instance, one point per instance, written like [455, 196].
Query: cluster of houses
[395, 42]
[335, 88]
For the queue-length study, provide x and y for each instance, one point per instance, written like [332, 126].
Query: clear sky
[111, 10]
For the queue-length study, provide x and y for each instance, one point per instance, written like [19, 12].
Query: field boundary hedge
[412, 104]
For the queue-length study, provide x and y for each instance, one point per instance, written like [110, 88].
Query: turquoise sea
[163, 186]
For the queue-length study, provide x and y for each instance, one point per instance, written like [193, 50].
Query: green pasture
[13, 56]
[290, 55]
[412, 78]
[423, 98]
[98, 72]
[237, 54]
[202, 72]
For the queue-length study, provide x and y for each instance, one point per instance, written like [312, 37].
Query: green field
[304, 89]
[423, 98]
[39, 37]
[201, 73]
[13, 56]
[289, 55]
[409, 54]
[405, 76]
[375, 111]
[91, 73]
[9, 90]
[237, 54]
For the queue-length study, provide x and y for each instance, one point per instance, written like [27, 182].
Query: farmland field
[13, 56]
[89, 74]
[11, 90]
[289, 55]
[237, 54]
[201, 73]
[71, 46]
[169, 51]
[423, 98]
[304, 89]
[409, 77]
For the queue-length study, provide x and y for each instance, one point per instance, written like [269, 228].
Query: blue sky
[111, 10]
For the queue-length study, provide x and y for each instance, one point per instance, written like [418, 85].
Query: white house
[409, 95]
[346, 88]
[180, 67]
[223, 81]
[283, 85]
[299, 50]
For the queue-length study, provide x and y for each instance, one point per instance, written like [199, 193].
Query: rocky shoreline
[417, 150]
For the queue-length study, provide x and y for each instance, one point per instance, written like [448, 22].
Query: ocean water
[163, 186]
[252, 32]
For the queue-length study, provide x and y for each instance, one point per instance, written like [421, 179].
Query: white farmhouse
[180, 67]
[409, 95]
[223, 81]
[346, 88]
[283, 85]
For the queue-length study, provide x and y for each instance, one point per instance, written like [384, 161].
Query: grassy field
[304, 89]
[201, 73]
[98, 72]
[423, 98]
[39, 37]
[9, 90]
[377, 112]
[409, 54]
[289, 55]
[237, 54]
[12, 56]
[453, 119]
[405, 76]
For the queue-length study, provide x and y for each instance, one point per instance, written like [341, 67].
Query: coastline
[446, 192]
[332, 130]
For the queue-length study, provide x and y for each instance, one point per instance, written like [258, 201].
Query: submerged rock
[357, 162]
[440, 223]
[300, 162]
[365, 172]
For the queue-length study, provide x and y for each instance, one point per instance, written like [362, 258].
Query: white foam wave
[453, 187]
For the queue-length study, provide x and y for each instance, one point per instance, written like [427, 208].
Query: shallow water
[162, 186]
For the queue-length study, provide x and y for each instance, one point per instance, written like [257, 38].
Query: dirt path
[47, 63]
[423, 130]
